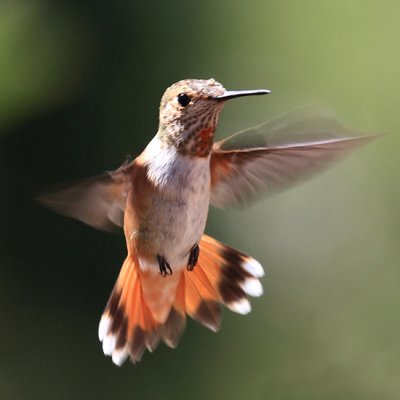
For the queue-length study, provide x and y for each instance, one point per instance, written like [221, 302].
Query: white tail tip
[253, 267]
[241, 306]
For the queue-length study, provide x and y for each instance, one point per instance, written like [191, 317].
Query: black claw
[165, 269]
[193, 257]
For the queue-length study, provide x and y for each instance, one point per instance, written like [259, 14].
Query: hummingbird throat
[201, 145]
[195, 137]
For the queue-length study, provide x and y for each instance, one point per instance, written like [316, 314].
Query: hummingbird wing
[277, 154]
[99, 201]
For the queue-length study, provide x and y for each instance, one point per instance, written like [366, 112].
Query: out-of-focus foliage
[80, 84]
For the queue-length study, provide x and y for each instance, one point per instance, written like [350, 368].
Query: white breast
[180, 205]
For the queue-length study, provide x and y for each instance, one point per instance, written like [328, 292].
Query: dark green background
[80, 84]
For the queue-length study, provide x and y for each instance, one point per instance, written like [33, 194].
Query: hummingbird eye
[183, 99]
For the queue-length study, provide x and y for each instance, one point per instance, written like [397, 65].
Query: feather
[146, 307]
[278, 154]
[99, 201]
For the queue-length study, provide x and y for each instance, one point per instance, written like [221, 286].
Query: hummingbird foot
[193, 257]
[165, 269]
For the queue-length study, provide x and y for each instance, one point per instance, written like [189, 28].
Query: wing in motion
[99, 201]
[277, 154]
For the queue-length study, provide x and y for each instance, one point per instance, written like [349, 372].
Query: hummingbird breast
[170, 205]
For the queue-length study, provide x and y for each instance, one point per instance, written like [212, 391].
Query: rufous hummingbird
[162, 198]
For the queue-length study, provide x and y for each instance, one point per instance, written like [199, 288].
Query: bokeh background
[80, 84]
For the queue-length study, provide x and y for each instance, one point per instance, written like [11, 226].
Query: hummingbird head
[189, 113]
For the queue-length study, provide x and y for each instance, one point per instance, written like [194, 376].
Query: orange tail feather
[145, 307]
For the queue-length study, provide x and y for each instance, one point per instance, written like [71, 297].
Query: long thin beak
[231, 94]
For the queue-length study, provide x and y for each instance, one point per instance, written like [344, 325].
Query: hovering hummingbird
[161, 199]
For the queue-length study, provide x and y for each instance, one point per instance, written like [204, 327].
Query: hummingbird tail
[145, 307]
[222, 275]
[126, 327]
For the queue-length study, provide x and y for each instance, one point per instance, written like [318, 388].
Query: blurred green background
[80, 84]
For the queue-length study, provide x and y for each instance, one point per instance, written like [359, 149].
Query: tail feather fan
[135, 319]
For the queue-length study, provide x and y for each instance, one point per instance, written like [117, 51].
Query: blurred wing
[277, 154]
[99, 201]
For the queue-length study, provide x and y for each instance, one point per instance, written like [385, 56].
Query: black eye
[183, 99]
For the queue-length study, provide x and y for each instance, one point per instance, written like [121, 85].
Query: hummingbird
[162, 199]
